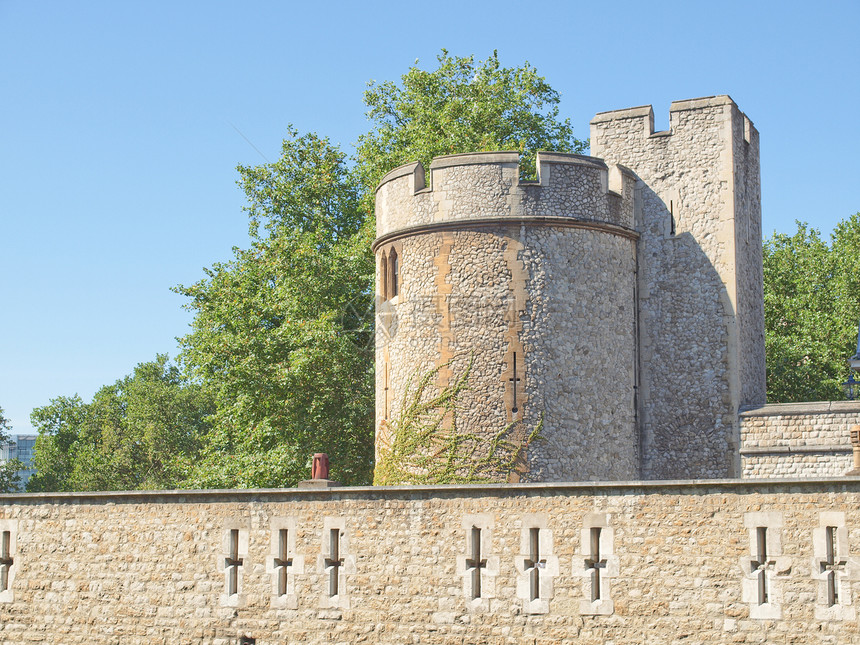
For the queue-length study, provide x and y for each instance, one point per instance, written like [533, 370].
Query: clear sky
[121, 125]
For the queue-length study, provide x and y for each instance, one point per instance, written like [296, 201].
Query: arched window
[389, 275]
[383, 277]
[394, 273]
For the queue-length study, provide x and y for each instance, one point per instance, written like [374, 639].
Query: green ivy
[429, 446]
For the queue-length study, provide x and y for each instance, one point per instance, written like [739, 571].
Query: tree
[279, 331]
[812, 307]
[10, 481]
[283, 332]
[142, 432]
[462, 106]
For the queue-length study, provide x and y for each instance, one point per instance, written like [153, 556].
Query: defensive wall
[798, 439]
[656, 562]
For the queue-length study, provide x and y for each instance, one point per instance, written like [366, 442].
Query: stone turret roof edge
[476, 158]
[513, 157]
[480, 158]
[570, 158]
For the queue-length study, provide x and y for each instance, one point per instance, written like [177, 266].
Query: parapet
[640, 120]
[487, 186]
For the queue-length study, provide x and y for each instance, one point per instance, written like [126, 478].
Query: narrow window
[334, 562]
[671, 218]
[597, 566]
[515, 379]
[829, 566]
[283, 562]
[233, 562]
[475, 563]
[6, 560]
[760, 564]
[534, 563]
[383, 278]
[594, 564]
[395, 273]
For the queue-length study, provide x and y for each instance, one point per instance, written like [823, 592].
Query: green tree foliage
[142, 432]
[281, 331]
[10, 482]
[462, 106]
[812, 308]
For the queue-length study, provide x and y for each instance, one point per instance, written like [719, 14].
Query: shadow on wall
[687, 413]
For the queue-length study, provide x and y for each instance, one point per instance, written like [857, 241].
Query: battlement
[640, 120]
[487, 185]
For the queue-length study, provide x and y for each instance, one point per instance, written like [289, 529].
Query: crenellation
[659, 237]
[479, 186]
[631, 122]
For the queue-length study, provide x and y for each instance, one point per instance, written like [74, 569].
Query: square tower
[700, 311]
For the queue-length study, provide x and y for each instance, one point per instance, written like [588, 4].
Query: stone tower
[533, 282]
[619, 301]
[700, 295]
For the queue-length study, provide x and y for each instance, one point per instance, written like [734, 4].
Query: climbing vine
[428, 446]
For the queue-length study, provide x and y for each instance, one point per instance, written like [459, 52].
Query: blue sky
[121, 125]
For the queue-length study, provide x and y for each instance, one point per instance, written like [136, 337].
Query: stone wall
[677, 561]
[481, 186]
[748, 248]
[700, 320]
[798, 439]
[529, 283]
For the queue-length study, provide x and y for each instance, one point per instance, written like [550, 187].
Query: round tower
[519, 294]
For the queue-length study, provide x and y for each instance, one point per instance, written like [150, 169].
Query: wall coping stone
[811, 407]
[675, 486]
[476, 158]
[781, 450]
[625, 113]
[702, 102]
[647, 111]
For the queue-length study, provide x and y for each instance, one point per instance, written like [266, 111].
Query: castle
[621, 297]
[616, 303]
[617, 300]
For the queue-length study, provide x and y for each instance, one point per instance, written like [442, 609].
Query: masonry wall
[748, 249]
[700, 320]
[151, 568]
[798, 439]
[531, 286]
